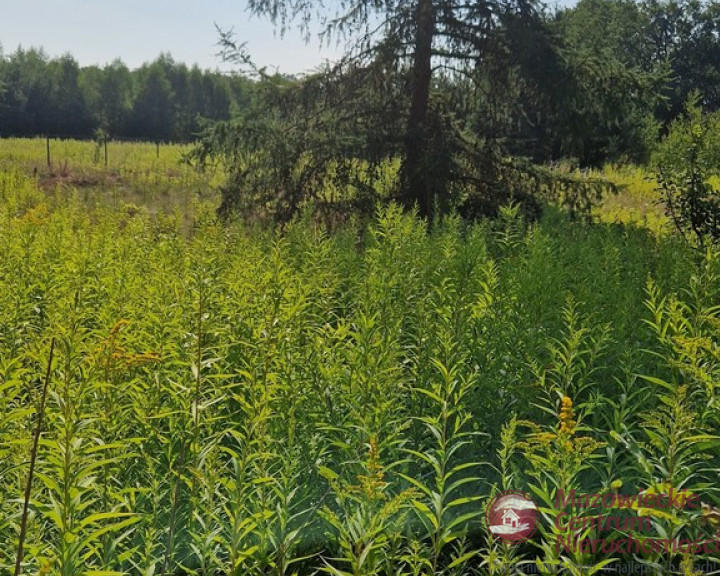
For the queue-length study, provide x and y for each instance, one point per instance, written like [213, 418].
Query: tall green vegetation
[232, 400]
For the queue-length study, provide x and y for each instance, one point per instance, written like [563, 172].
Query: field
[146, 174]
[223, 399]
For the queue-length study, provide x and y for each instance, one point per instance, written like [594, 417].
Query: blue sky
[98, 31]
[137, 31]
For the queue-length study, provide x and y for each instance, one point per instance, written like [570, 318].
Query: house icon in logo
[510, 518]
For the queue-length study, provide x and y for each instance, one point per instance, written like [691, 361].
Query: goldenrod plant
[230, 399]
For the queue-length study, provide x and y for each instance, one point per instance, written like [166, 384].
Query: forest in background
[162, 100]
[597, 82]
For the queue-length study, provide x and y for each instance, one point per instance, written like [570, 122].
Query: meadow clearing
[228, 399]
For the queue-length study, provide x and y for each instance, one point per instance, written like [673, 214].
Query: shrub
[687, 160]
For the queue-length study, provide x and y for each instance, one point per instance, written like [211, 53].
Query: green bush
[687, 160]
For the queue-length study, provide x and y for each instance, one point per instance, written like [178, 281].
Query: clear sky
[137, 31]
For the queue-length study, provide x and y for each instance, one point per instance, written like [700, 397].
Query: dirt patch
[63, 177]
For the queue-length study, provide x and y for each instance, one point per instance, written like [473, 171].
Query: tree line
[597, 81]
[634, 66]
[162, 100]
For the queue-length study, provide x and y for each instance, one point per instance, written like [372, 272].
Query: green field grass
[86, 155]
[144, 174]
[226, 399]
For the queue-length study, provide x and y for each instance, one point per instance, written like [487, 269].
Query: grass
[30, 153]
[638, 201]
[225, 399]
[141, 174]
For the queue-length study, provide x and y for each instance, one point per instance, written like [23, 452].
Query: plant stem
[33, 459]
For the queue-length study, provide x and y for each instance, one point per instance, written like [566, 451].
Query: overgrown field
[230, 400]
[136, 173]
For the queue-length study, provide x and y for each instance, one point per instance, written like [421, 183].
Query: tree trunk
[416, 180]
